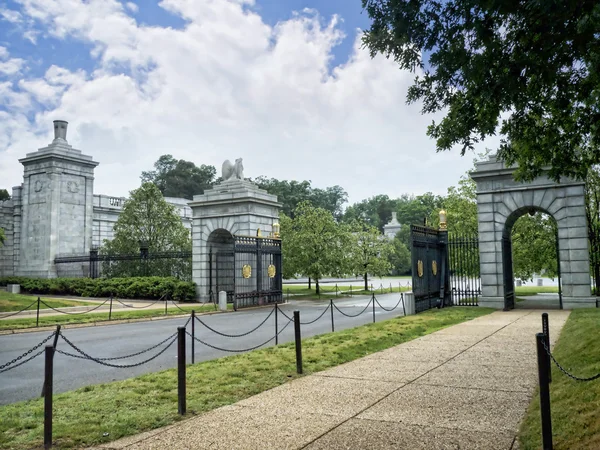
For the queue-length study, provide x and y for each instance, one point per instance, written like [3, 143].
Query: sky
[283, 84]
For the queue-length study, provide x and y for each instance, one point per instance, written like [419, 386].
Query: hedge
[134, 287]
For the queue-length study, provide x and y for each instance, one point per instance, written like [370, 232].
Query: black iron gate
[465, 280]
[430, 268]
[445, 269]
[251, 274]
[507, 268]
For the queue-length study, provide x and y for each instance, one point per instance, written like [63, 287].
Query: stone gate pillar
[57, 205]
[500, 202]
[235, 207]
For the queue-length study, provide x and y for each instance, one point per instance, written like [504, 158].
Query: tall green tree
[525, 69]
[180, 178]
[290, 193]
[314, 245]
[534, 246]
[375, 211]
[147, 220]
[399, 257]
[369, 252]
[592, 210]
[4, 195]
[414, 210]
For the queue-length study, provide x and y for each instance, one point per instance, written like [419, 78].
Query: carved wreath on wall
[72, 186]
[38, 185]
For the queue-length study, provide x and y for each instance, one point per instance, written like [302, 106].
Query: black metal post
[181, 370]
[48, 396]
[37, 318]
[298, 339]
[543, 370]
[403, 307]
[332, 324]
[193, 335]
[110, 309]
[54, 343]
[373, 300]
[546, 331]
[276, 326]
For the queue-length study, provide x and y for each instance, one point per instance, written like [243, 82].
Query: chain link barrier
[18, 312]
[291, 319]
[355, 315]
[138, 307]
[238, 351]
[177, 306]
[563, 370]
[388, 309]
[102, 362]
[9, 365]
[75, 313]
[237, 335]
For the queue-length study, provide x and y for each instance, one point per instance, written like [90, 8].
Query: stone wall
[6, 250]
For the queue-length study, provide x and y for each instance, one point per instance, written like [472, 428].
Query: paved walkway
[467, 387]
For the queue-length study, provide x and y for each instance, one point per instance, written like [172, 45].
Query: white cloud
[10, 15]
[225, 86]
[132, 7]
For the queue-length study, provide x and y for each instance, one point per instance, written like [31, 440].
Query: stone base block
[492, 302]
[13, 288]
[579, 302]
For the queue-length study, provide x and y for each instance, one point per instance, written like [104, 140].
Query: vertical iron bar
[37, 318]
[546, 331]
[110, 308]
[48, 382]
[298, 340]
[54, 344]
[403, 307]
[276, 326]
[332, 324]
[193, 335]
[181, 407]
[373, 300]
[544, 392]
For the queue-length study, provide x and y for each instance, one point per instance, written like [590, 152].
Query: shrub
[133, 287]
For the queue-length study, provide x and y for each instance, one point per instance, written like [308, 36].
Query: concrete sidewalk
[467, 386]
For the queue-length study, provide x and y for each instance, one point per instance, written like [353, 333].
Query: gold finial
[443, 220]
[276, 230]
[258, 233]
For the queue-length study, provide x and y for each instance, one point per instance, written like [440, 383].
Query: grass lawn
[13, 324]
[301, 291]
[16, 302]
[143, 403]
[575, 405]
[524, 291]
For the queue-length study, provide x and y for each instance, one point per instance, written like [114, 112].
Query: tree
[180, 178]
[314, 245]
[2, 236]
[4, 195]
[148, 220]
[370, 252]
[414, 210]
[529, 67]
[291, 193]
[399, 257]
[534, 246]
[375, 211]
[592, 210]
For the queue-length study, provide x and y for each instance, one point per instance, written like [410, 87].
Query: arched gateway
[500, 202]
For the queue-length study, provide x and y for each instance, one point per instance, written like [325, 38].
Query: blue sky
[283, 84]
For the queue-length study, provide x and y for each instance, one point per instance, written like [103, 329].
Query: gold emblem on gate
[434, 267]
[246, 271]
[420, 268]
[271, 271]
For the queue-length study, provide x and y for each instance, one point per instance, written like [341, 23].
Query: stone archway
[500, 202]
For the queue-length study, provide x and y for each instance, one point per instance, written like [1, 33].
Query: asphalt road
[25, 382]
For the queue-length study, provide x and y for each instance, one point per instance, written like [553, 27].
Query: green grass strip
[533, 290]
[16, 302]
[16, 324]
[125, 408]
[574, 404]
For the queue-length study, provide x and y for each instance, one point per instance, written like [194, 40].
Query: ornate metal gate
[251, 274]
[507, 267]
[430, 269]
